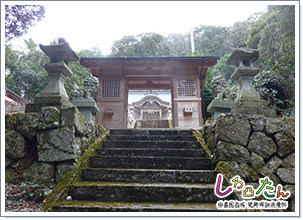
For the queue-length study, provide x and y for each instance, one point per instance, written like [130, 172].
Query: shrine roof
[150, 97]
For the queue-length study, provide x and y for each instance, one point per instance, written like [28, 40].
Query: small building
[151, 107]
[14, 103]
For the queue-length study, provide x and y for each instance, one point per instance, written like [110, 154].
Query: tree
[238, 33]
[179, 44]
[25, 73]
[153, 45]
[142, 45]
[18, 19]
[80, 73]
[126, 47]
[212, 40]
[208, 97]
[222, 69]
[274, 36]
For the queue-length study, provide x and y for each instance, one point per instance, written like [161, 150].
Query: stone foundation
[44, 146]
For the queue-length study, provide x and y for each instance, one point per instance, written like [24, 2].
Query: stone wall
[43, 147]
[254, 146]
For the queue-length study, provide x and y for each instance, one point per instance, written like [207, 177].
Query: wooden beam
[152, 78]
[147, 86]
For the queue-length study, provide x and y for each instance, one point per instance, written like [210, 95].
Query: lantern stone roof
[59, 52]
[242, 53]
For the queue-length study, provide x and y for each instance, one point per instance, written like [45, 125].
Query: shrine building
[183, 76]
[151, 107]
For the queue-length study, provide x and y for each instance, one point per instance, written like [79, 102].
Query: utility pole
[192, 41]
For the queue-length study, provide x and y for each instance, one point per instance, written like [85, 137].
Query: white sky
[85, 24]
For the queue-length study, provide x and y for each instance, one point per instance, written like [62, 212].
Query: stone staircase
[151, 124]
[149, 170]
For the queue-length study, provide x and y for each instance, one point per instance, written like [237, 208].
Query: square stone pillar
[87, 107]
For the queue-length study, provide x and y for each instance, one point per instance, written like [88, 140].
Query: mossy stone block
[261, 144]
[57, 145]
[28, 124]
[285, 143]
[40, 172]
[50, 118]
[232, 129]
[15, 145]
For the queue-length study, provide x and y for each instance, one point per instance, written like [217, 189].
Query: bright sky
[85, 24]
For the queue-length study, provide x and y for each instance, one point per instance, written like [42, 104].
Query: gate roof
[159, 69]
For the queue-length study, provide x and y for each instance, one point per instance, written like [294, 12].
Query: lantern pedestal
[248, 100]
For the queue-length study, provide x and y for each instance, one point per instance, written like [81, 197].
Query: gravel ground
[24, 197]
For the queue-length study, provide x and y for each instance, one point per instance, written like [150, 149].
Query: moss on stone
[60, 192]
[10, 176]
[201, 140]
[10, 121]
[55, 117]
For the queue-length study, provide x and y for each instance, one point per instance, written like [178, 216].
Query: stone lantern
[54, 94]
[248, 100]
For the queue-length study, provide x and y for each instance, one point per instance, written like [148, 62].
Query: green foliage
[80, 73]
[272, 33]
[25, 74]
[238, 33]
[18, 19]
[179, 44]
[143, 45]
[195, 54]
[212, 40]
[221, 68]
[126, 47]
[153, 45]
[207, 97]
[208, 40]
[274, 36]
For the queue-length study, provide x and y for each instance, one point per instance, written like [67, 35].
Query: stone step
[152, 152]
[165, 131]
[149, 170]
[152, 144]
[152, 137]
[150, 162]
[93, 206]
[138, 192]
[149, 175]
[152, 124]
